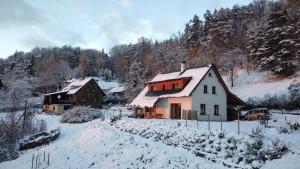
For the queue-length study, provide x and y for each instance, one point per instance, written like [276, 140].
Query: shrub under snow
[81, 114]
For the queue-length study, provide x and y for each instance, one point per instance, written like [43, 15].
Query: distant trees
[263, 35]
[273, 44]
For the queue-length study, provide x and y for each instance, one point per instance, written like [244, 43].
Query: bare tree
[230, 60]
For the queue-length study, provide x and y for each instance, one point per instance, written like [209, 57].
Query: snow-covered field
[258, 84]
[98, 144]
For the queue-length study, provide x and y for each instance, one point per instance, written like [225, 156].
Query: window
[216, 110]
[205, 88]
[153, 88]
[164, 87]
[202, 109]
[175, 86]
[209, 74]
[214, 90]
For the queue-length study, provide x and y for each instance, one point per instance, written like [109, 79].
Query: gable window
[214, 90]
[202, 109]
[209, 74]
[216, 110]
[205, 88]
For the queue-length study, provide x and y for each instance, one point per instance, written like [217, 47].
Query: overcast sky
[25, 24]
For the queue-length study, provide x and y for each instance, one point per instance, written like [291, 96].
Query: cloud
[92, 45]
[17, 12]
[126, 2]
[34, 40]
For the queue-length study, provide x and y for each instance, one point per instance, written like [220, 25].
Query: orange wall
[168, 84]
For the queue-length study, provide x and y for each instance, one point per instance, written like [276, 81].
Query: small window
[202, 109]
[175, 86]
[164, 87]
[214, 90]
[153, 88]
[216, 110]
[205, 88]
[209, 74]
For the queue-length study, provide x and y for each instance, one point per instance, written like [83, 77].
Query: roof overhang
[167, 80]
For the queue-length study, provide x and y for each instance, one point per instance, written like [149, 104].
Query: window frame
[203, 109]
[216, 110]
[213, 90]
[205, 89]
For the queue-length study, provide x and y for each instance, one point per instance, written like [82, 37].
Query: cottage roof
[75, 85]
[194, 74]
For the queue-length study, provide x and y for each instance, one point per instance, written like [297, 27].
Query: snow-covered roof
[74, 85]
[196, 74]
[117, 90]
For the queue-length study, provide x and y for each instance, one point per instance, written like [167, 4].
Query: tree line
[262, 35]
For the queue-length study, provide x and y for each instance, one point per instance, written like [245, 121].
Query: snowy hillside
[258, 84]
[155, 143]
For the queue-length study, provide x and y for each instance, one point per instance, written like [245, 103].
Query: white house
[193, 93]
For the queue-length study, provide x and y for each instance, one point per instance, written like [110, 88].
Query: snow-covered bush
[282, 130]
[273, 151]
[294, 125]
[80, 114]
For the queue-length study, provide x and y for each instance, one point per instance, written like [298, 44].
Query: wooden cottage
[192, 93]
[85, 92]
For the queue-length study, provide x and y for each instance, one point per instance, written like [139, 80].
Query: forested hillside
[263, 35]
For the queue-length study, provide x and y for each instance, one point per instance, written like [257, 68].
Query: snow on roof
[196, 74]
[75, 85]
[143, 101]
[105, 85]
[117, 90]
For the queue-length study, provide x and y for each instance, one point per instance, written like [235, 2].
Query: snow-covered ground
[97, 144]
[258, 84]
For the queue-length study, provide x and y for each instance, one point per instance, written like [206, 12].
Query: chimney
[182, 66]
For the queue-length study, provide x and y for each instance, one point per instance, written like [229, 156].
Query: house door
[175, 111]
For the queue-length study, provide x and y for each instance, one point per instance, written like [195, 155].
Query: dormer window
[153, 88]
[175, 86]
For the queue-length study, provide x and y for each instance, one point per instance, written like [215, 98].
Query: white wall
[209, 99]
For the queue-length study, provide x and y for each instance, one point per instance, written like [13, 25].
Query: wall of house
[54, 107]
[209, 99]
[163, 105]
[89, 95]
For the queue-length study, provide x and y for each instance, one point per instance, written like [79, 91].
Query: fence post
[208, 121]
[197, 119]
[221, 123]
[48, 162]
[238, 122]
[32, 161]
[186, 117]
[36, 162]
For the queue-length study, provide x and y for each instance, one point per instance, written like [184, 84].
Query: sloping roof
[117, 90]
[75, 85]
[142, 100]
[196, 74]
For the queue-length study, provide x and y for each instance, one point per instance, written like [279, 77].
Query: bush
[289, 102]
[81, 114]
[273, 151]
[13, 128]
